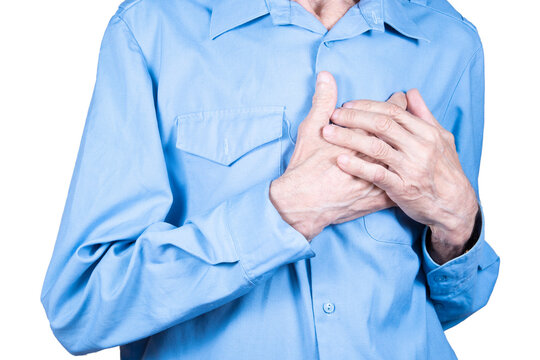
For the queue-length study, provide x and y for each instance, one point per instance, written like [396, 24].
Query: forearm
[112, 290]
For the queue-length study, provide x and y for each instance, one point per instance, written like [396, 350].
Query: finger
[369, 158]
[370, 204]
[417, 107]
[323, 101]
[401, 116]
[365, 144]
[385, 179]
[381, 125]
[398, 98]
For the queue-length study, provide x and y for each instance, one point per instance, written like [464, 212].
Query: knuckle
[425, 154]
[349, 116]
[379, 175]
[368, 106]
[321, 97]
[321, 110]
[449, 136]
[439, 136]
[394, 110]
[378, 148]
[412, 190]
[439, 141]
[432, 135]
[382, 123]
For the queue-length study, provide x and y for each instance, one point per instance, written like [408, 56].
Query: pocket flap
[225, 135]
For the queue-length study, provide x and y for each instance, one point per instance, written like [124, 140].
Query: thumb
[417, 107]
[399, 99]
[324, 100]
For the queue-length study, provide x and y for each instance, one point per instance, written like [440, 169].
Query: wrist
[446, 243]
[455, 227]
[287, 205]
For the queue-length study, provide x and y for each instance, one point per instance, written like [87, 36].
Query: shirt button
[440, 278]
[328, 307]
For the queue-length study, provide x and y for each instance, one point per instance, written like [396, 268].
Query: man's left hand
[424, 176]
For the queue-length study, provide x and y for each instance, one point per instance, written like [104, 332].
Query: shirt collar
[229, 14]
[397, 15]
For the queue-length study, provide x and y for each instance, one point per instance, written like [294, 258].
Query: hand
[423, 174]
[314, 192]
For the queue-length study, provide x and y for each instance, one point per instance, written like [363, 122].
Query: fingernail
[336, 112]
[347, 105]
[322, 78]
[328, 129]
[343, 159]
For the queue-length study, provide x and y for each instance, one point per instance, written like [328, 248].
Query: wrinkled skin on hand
[314, 191]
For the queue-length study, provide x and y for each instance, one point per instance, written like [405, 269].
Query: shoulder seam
[133, 38]
[461, 19]
[123, 7]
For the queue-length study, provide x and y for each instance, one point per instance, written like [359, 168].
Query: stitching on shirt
[461, 19]
[231, 237]
[362, 13]
[126, 5]
[122, 9]
[408, 244]
[464, 285]
[289, 126]
[458, 288]
[443, 118]
[239, 110]
[428, 7]
[498, 259]
[134, 39]
[281, 147]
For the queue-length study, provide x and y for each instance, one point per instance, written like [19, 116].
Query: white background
[48, 63]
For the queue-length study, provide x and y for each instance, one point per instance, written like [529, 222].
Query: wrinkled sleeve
[463, 285]
[119, 272]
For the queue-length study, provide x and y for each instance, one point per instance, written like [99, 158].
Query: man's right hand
[314, 192]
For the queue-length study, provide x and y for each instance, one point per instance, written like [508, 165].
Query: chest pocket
[392, 225]
[225, 151]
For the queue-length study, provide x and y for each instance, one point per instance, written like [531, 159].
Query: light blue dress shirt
[169, 245]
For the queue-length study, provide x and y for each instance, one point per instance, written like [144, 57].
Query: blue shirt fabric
[169, 245]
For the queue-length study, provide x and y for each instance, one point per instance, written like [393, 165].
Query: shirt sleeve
[463, 285]
[119, 272]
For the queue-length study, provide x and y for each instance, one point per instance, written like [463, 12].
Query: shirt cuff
[458, 273]
[262, 239]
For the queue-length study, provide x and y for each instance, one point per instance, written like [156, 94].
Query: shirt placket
[329, 309]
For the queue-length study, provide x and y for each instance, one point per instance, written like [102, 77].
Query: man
[215, 212]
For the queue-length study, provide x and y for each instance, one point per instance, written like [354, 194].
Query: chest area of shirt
[233, 108]
[281, 72]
